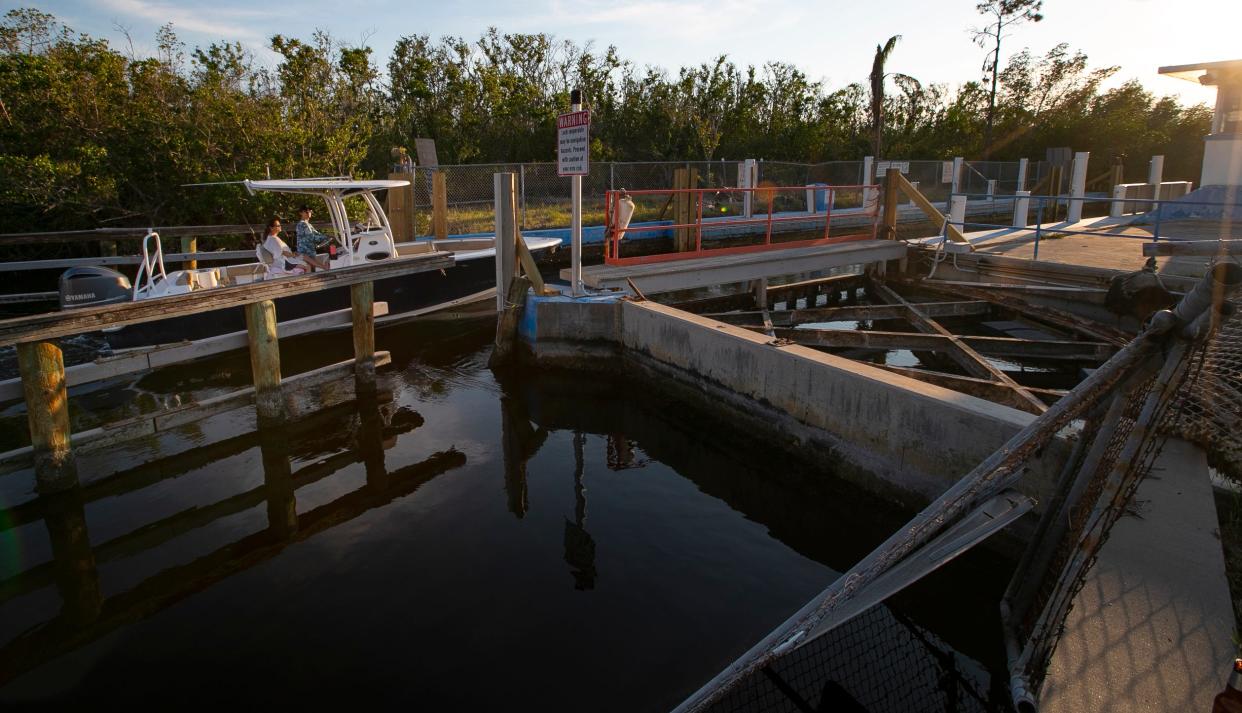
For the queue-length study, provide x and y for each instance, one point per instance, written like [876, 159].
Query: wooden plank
[933, 214]
[1051, 315]
[169, 231]
[264, 357]
[783, 292]
[991, 346]
[791, 317]
[982, 388]
[106, 260]
[1057, 290]
[138, 360]
[531, 268]
[439, 205]
[25, 297]
[362, 311]
[303, 394]
[88, 319]
[42, 367]
[1198, 248]
[963, 354]
[741, 267]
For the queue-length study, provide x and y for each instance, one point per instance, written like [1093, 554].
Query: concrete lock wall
[912, 436]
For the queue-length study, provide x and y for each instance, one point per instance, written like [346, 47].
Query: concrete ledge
[913, 437]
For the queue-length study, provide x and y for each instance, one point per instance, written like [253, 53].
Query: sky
[831, 40]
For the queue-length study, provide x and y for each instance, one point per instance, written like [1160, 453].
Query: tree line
[92, 134]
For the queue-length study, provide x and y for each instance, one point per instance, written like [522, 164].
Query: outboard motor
[93, 286]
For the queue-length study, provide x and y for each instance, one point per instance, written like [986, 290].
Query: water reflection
[628, 524]
[86, 615]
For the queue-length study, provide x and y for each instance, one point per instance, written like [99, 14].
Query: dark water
[552, 542]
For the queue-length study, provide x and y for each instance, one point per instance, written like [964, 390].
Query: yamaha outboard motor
[93, 286]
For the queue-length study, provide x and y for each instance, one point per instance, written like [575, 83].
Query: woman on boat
[279, 259]
[309, 240]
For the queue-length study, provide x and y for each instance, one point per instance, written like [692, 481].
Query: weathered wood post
[42, 368]
[189, 245]
[890, 203]
[506, 234]
[439, 205]
[265, 359]
[362, 308]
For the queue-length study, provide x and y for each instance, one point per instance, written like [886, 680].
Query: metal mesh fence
[879, 662]
[544, 197]
[1210, 411]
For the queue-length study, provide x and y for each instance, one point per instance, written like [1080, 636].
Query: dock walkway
[1152, 628]
[724, 269]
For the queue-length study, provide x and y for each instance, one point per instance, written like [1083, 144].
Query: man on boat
[309, 240]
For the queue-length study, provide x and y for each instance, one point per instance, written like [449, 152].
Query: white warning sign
[573, 143]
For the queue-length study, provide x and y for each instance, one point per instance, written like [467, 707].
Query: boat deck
[724, 269]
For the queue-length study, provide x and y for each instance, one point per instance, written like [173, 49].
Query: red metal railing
[868, 211]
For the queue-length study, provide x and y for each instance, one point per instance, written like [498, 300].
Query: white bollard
[1078, 186]
[1022, 163]
[868, 179]
[957, 212]
[991, 186]
[1021, 208]
[958, 163]
[1155, 170]
[750, 169]
[1117, 207]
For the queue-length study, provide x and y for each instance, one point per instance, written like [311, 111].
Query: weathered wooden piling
[362, 306]
[189, 245]
[42, 367]
[265, 359]
[889, 231]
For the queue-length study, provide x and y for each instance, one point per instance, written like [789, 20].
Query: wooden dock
[673, 275]
[42, 368]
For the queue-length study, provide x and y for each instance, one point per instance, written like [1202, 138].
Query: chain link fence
[544, 200]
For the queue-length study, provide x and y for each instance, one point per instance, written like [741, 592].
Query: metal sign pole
[575, 219]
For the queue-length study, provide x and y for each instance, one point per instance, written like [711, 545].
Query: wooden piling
[189, 245]
[362, 307]
[507, 323]
[265, 359]
[42, 368]
[684, 208]
[439, 205]
[890, 204]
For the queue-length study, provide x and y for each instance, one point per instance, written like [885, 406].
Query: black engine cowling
[93, 286]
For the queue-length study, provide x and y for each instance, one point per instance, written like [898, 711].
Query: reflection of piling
[282, 508]
[579, 545]
[516, 433]
[42, 368]
[371, 440]
[76, 576]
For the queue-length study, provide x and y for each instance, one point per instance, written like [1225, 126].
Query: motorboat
[367, 240]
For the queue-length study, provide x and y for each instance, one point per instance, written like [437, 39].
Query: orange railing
[813, 209]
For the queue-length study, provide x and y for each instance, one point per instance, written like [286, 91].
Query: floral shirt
[309, 238]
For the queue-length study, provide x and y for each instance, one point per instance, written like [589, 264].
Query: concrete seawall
[904, 436]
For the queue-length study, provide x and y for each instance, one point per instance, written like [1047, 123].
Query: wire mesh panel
[879, 662]
[1209, 412]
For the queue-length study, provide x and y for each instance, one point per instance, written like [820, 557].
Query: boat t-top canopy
[321, 186]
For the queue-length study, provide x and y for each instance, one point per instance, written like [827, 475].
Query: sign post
[573, 159]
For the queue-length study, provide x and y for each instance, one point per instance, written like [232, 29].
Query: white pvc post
[1078, 186]
[958, 163]
[1022, 163]
[1117, 207]
[749, 170]
[991, 187]
[575, 219]
[915, 184]
[1021, 208]
[810, 201]
[957, 212]
[1155, 170]
[868, 179]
